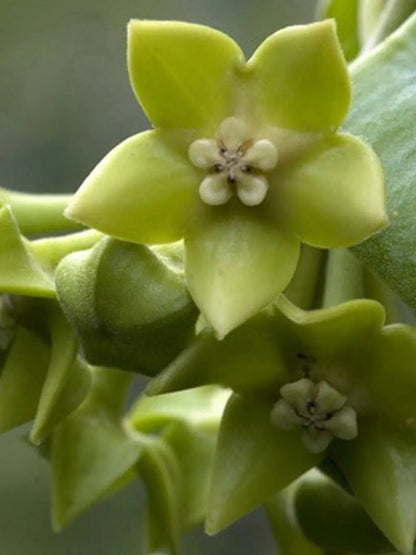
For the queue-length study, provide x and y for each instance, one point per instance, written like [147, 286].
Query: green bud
[128, 304]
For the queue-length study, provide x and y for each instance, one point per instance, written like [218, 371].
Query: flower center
[235, 164]
[317, 408]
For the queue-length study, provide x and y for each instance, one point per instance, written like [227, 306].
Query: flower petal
[301, 78]
[247, 359]
[254, 459]
[236, 263]
[333, 195]
[380, 466]
[389, 375]
[141, 191]
[181, 73]
[90, 451]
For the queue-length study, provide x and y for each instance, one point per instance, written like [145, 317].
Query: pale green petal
[182, 73]
[21, 379]
[247, 359]
[333, 195]
[389, 375]
[66, 382]
[90, 450]
[380, 467]
[142, 191]
[20, 271]
[236, 263]
[254, 459]
[301, 78]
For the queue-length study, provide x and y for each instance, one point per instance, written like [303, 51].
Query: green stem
[302, 290]
[343, 278]
[392, 16]
[39, 213]
[51, 250]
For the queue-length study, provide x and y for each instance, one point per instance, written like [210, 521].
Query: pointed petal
[160, 472]
[333, 195]
[90, 450]
[333, 519]
[66, 382]
[181, 73]
[334, 334]
[254, 459]
[20, 272]
[142, 191]
[380, 467]
[236, 263]
[389, 375]
[301, 78]
[21, 379]
[247, 359]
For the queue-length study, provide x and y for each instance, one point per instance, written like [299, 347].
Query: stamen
[238, 159]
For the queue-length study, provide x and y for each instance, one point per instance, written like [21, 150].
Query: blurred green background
[65, 101]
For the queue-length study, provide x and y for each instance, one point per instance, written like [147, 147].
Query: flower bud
[128, 304]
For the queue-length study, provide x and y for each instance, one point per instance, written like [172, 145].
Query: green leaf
[128, 304]
[253, 461]
[66, 382]
[236, 263]
[20, 272]
[182, 73]
[301, 79]
[333, 196]
[142, 191]
[90, 450]
[21, 379]
[335, 520]
[247, 359]
[345, 13]
[386, 117]
[379, 465]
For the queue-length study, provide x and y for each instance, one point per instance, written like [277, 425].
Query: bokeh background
[65, 101]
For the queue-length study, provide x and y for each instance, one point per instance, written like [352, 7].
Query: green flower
[331, 383]
[244, 162]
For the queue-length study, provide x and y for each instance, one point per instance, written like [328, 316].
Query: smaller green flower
[331, 384]
[245, 161]
[318, 408]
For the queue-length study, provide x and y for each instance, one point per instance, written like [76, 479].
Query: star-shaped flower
[245, 161]
[327, 384]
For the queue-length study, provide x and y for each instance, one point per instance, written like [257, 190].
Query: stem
[51, 250]
[343, 278]
[302, 290]
[393, 15]
[39, 213]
